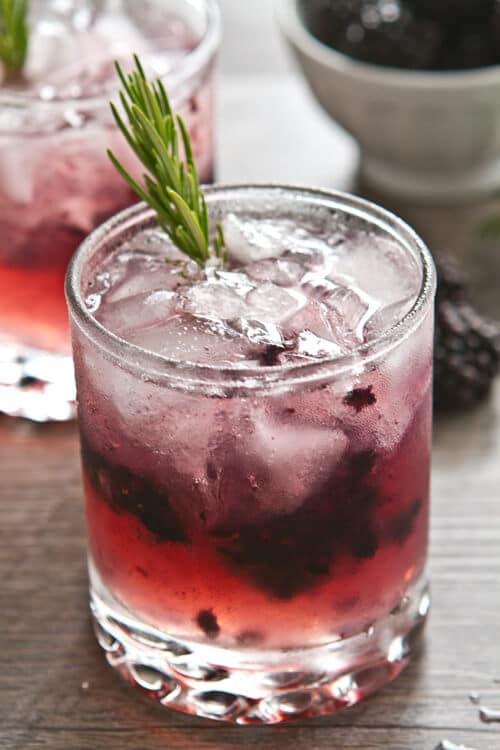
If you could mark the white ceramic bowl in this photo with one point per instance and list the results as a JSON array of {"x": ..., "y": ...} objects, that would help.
[{"x": 423, "y": 135}]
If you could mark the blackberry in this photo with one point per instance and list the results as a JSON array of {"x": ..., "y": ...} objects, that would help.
[
  {"x": 271, "y": 355},
  {"x": 452, "y": 279},
  {"x": 409, "y": 34},
  {"x": 360, "y": 398},
  {"x": 127, "y": 492},
  {"x": 402, "y": 526},
  {"x": 28, "y": 381},
  {"x": 207, "y": 622},
  {"x": 374, "y": 31},
  {"x": 293, "y": 553},
  {"x": 466, "y": 352},
  {"x": 454, "y": 12}
]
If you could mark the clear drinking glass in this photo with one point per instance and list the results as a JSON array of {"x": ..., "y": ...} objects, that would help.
[
  {"x": 56, "y": 181},
  {"x": 257, "y": 534}
]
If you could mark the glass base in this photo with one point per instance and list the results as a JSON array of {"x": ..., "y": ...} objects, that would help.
[
  {"x": 36, "y": 385},
  {"x": 259, "y": 687}
]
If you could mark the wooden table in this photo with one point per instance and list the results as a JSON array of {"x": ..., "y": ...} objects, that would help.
[{"x": 56, "y": 690}]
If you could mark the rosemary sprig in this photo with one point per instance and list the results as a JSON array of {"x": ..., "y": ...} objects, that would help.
[
  {"x": 171, "y": 185},
  {"x": 13, "y": 34}
]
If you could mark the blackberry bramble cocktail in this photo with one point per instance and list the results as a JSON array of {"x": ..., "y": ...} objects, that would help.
[
  {"x": 256, "y": 444},
  {"x": 56, "y": 181}
]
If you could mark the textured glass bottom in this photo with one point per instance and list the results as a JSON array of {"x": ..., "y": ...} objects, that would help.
[
  {"x": 36, "y": 385},
  {"x": 259, "y": 687}
]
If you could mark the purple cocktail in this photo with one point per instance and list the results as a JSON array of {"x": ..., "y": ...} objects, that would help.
[
  {"x": 256, "y": 451},
  {"x": 56, "y": 182}
]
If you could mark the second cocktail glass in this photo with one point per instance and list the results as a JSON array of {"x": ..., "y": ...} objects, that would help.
[{"x": 56, "y": 182}]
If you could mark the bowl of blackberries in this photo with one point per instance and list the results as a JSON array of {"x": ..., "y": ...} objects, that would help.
[{"x": 416, "y": 82}]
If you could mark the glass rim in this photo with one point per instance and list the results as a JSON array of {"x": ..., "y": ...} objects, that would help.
[
  {"x": 217, "y": 379},
  {"x": 187, "y": 67}
]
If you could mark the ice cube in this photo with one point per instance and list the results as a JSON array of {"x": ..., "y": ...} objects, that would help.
[
  {"x": 403, "y": 380},
  {"x": 313, "y": 260},
  {"x": 188, "y": 338},
  {"x": 144, "y": 273},
  {"x": 280, "y": 271},
  {"x": 253, "y": 240},
  {"x": 213, "y": 299},
  {"x": 349, "y": 312},
  {"x": 378, "y": 266},
  {"x": 80, "y": 188},
  {"x": 237, "y": 280},
  {"x": 133, "y": 314},
  {"x": 310, "y": 345},
  {"x": 64, "y": 15},
  {"x": 59, "y": 37},
  {"x": 311, "y": 320},
  {"x": 274, "y": 304},
  {"x": 258, "y": 332},
  {"x": 138, "y": 284},
  {"x": 297, "y": 458},
  {"x": 276, "y": 465},
  {"x": 248, "y": 241},
  {"x": 388, "y": 316}
]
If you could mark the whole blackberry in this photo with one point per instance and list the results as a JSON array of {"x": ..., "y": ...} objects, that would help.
[
  {"x": 452, "y": 281},
  {"x": 466, "y": 352}
]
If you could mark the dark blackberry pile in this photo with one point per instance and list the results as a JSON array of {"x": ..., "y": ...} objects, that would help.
[
  {"x": 290, "y": 554},
  {"x": 283, "y": 556},
  {"x": 127, "y": 492},
  {"x": 467, "y": 351},
  {"x": 409, "y": 34}
]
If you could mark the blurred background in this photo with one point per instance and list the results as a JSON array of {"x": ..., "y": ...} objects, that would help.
[{"x": 270, "y": 127}]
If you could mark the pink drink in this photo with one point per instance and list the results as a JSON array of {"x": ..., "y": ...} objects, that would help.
[
  {"x": 257, "y": 480},
  {"x": 56, "y": 182}
]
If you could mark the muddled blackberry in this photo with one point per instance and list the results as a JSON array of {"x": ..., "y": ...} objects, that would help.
[
  {"x": 360, "y": 398},
  {"x": 466, "y": 353},
  {"x": 293, "y": 553},
  {"x": 127, "y": 492},
  {"x": 28, "y": 381},
  {"x": 409, "y": 34},
  {"x": 207, "y": 622},
  {"x": 402, "y": 526},
  {"x": 271, "y": 355}
]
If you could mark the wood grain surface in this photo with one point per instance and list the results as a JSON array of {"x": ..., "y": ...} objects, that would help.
[{"x": 56, "y": 690}]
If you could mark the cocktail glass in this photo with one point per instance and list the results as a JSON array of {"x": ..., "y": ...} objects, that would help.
[
  {"x": 257, "y": 531},
  {"x": 57, "y": 183}
]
